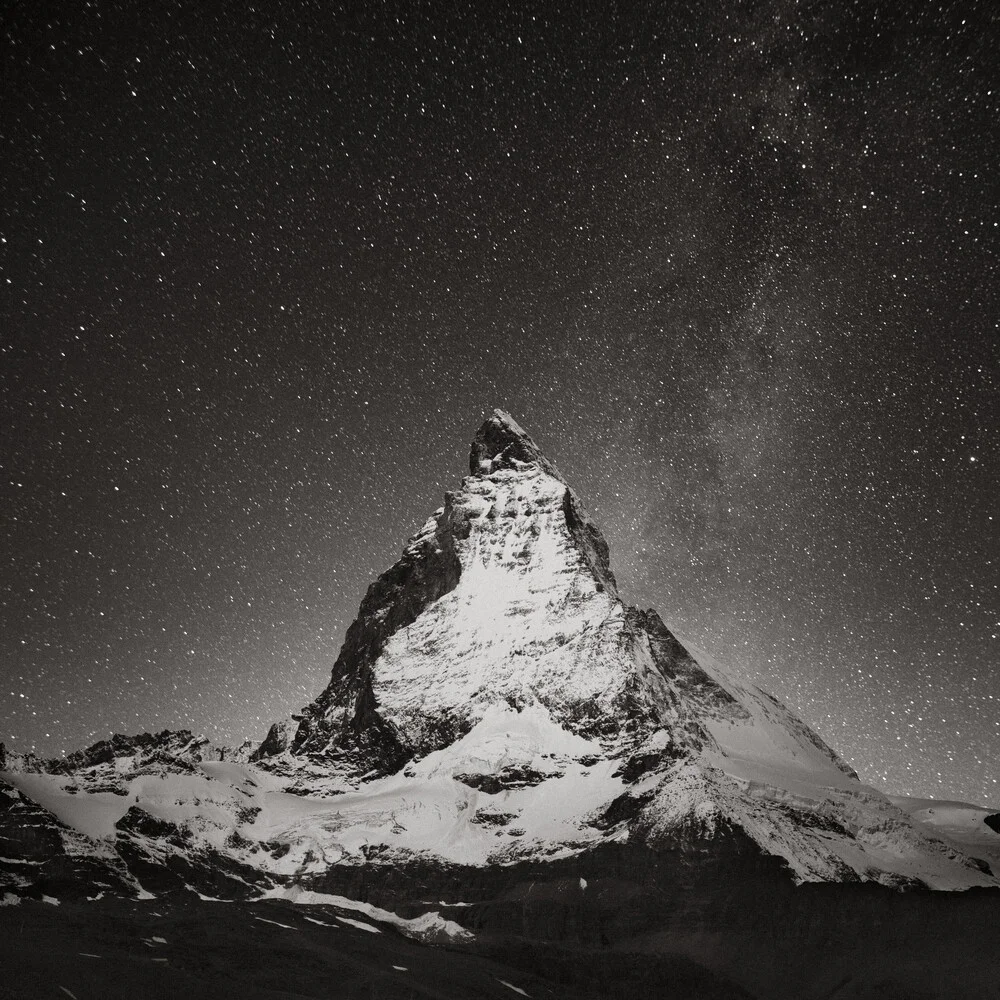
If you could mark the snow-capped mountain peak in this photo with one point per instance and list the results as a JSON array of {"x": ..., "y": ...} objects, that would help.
[
  {"x": 505, "y": 597},
  {"x": 503, "y": 613},
  {"x": 495, "y": 703}
]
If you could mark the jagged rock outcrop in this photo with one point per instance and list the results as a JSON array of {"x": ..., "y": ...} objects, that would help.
[
  {"x": 28, "y": 833},
  {"x": 128, "y": 755}
]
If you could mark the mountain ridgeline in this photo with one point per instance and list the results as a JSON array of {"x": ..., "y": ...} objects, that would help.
[{"x": 503, "y": 734}]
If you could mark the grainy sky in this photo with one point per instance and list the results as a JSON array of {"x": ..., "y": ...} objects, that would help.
[{"x": 734, "y": 266}]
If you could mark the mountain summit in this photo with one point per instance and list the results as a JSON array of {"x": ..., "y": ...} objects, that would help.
[
  {"x": 501, "y": 443},
  {"x": 504, "y": 602},
  {"x": 497, "y": 717}
]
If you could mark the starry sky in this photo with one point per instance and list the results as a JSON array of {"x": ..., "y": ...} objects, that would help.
[{"x": 266, "y": 269}]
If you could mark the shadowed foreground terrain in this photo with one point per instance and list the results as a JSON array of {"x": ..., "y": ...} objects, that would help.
[
  {"x": 812, "y": 942},
  {"x": 203, "y": 950}
]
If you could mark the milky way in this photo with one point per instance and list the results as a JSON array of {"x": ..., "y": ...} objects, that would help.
[{"x": 733, "y": 267}]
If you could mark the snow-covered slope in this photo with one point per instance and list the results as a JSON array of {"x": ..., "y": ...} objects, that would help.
[
  {"x": 495, "y": 702},
  {"x": 974, "y": 830}
]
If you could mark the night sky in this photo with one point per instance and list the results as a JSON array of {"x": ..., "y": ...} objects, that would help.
[{"x": 734, "y": 266}]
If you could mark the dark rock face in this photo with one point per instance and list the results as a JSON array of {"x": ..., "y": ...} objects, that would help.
[
  {"x": 621, "y": 809},
  {"x": 645, "y": 763},
  {"x": 208, "y": 873},
  {"x": 137, "y": 820},
  {"x": 589, "y": 541},
  {"x": 27, "y": 831},
  {"x": 500, "y": 443},
  {"x": 36, "y": 862},
  {"x": 503, "y": 780},
  {"x": 344, "y": 721},
  {"x": 279, "y": 738},
  {"x": 675, "y": 662}
]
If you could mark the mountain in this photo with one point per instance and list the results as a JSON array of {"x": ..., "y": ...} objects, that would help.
[
  {"x": 496, "y": 671},
  {"x": 508, "y": 755}
]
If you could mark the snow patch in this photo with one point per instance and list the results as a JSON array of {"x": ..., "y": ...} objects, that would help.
[
  {"x": 360, "y": 924},
  {"x": 511, "y": 986},
  {"x": 430, "y": 928},
  {"x": 264, "y": 920}
]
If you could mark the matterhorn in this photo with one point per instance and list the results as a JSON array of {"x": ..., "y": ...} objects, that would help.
[{"x": 509, "y": 759}]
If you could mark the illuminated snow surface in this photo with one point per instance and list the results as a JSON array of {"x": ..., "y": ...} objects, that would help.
[{"x": 425, "y": 811}]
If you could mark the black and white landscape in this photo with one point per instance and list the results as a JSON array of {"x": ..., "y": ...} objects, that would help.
[
  {"x": 693, "y": 692},
  {"x": 511, "y": 764}
]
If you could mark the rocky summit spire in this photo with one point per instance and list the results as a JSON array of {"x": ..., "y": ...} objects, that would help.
[{"x": 501, "y": 443}]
